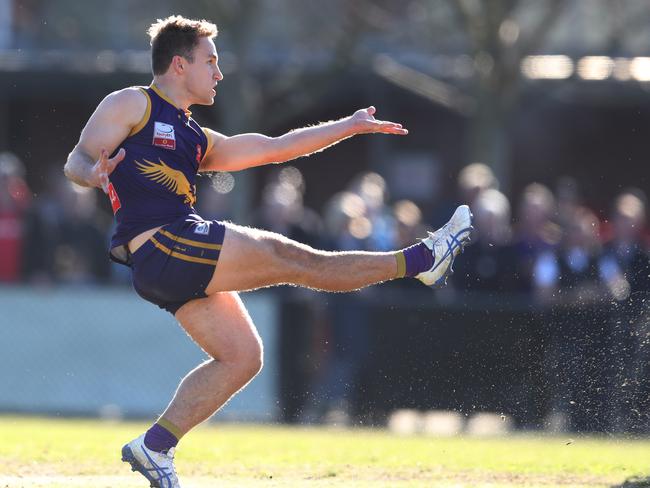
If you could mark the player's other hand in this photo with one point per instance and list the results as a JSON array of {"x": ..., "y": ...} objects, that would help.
[
  {"x": 104, "y": 167},
  {"x": 364, "y": 122}
]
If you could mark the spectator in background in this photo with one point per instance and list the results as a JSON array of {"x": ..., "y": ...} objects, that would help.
[
  {"x": 283, "y": 211},
  {"x": 408, "y": 220},
  {"x": 625, "y": 269},
  {"x": 488, "y": 265},
  {"x": 576, "y": 351},
  {"x": 624, "y": 265},
  {"x": 43, "y": 224},
  {"x": 372, "y": 189},
  {"x": 471, "y": 181},
  {"x": 535, "y": 242},
  {"x": 578, "y": 255},
  {"x": 15, "y": 200},
  {"x": 347, "y": 226},
  {"x": 568, "y": 201},
  {"x": 81, "y": 254},
  {"x": 474, "y": 179},
  {"x": 302, "y": 311},
  {"x": 68, "y": 218}
]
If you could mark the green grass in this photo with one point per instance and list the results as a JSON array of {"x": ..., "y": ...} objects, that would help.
[{"x": 37, "y": 452}]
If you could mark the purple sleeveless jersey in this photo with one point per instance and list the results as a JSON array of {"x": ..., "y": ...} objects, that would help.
[{"x": 155, "y": 183}]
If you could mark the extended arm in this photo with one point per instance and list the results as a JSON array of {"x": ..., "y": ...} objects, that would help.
[
  {"x": 88, "y": 164},
  {"x": 248, "y": 150}
]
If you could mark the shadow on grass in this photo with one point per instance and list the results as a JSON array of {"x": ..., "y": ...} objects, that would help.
[{"x": 634, "y": 483}]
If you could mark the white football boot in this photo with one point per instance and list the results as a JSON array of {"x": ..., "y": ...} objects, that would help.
[
  {"x": 157, "y": 467},
  {"x": 445, "y": 244}
]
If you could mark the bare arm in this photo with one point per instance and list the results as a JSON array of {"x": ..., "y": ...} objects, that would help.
[
  {"x": 248, "y": 150},
  {"x": 88, "y": 163}
]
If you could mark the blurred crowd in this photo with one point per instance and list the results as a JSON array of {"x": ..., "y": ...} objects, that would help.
[
  {"x": 57, "y": 237},
  {"x": 546, "y": 248}
]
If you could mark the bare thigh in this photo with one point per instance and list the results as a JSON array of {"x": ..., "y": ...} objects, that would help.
[
  {"x": 222, "y": 327},
  {"x": 254, "y": 258}
]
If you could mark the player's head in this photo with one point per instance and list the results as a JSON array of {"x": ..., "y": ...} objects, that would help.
[{"x": 183, "y": 50}]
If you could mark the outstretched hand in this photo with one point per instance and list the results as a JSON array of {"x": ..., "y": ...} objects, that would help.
[
  {"x": 364, "y": 122},
  {"x": 105, "y": 166}
]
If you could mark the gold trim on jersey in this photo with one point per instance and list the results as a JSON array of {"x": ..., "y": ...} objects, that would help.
[
  {"x": 145, "y": 117},
  {"x": 190, "y": 242},
  {"x": 172, "y": 179},
  {"x": 159, "y": 92},
  {"x": 210, "y": 141},
  {"x": 178, "y": 255}
]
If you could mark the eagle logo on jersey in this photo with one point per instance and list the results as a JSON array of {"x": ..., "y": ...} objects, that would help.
[{"x": 172, "y": 179}]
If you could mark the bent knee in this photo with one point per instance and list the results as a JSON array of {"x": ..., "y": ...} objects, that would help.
[
  {"x": 247, "y": 361},
  {"x": 253, "y": 362}
]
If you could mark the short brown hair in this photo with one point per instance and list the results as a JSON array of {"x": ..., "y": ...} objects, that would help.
[{"x": 176, "y": 36}]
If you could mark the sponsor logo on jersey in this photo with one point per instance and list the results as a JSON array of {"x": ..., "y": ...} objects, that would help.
[
  {"x": 163, "y": 135},
  {"x": 115, "y": 200},
  {"x": 202, "y": 228}
]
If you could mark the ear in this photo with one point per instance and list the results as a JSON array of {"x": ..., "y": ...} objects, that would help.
[{"x": 178, "y": 64}]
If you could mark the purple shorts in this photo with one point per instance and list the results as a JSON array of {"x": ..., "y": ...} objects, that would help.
[{"x": 176, "y": 264}]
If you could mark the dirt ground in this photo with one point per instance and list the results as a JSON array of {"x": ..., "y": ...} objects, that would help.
[{"x": 459, "y": 481}]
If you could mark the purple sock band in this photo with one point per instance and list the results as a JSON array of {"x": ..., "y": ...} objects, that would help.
[
  {"x": 159, "y": 439},
  {"x": 418, "y": 258}
]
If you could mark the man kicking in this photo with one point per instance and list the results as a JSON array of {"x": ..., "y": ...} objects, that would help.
[{"x": 142, "y": 147}]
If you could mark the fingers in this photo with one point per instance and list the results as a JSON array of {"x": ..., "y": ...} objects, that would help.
[
  {"x": 105, "y": 166},
  {"x": 117, "y": 158},
  {"x": 110, "y": 164},
  {"x": 395, "y": 130},
  {"x": 367, "y": 123},
  {"x": 120, "y": 155},
  {"x": 391, "y": 128}
]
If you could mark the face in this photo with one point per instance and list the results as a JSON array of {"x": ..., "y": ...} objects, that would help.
[{"x": 202, "y": 75}]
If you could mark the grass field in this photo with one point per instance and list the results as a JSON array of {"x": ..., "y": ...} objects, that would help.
[{"x": 37, "y": 452}]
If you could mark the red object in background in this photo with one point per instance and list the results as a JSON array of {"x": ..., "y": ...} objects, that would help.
[
  {"x": 13, "y": 205},
  {"x": 11, "y": 238}
]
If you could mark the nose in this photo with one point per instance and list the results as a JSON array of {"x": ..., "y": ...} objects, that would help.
[{"x": 218, "y": 74}]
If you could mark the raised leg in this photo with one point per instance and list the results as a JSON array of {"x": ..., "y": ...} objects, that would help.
[{"x": 252, "y": 258}]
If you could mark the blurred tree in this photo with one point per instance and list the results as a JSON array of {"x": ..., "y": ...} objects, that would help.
[
  {"x": 500, "y": 34},
  {"x": 489, "y": 40},
  {"x": 308, "y": 43},
  {"x": 269, "y": 49},
  {"x": 279, "y": 57},
  {"x": 494, "y": 37}
]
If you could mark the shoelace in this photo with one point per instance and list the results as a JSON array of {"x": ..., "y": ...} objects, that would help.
[
  {"x": 165, "y": 474},
  {"x": 437, "y": 235}
]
